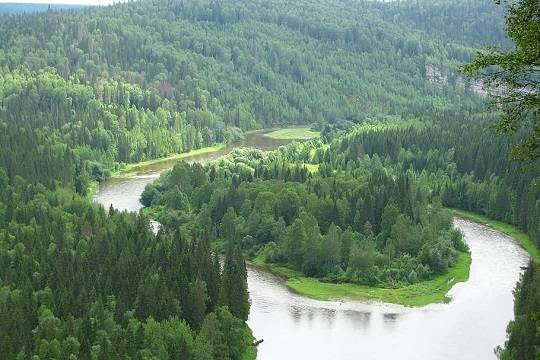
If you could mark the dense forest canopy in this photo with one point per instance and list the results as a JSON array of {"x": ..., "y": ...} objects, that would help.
[
  {"x": 378, "y": 190},
  {"x": 82, "y": 92},
  {"x": 150, "y": 78}
]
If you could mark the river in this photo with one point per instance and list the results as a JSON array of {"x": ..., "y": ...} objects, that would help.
[{"x": 294, "y": 327}]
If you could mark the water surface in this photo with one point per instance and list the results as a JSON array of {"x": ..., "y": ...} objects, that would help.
[
  {"x": 469, "y": 327},
  {"x": 294, "y": 327},
  {"x": 124, "y": 192}
]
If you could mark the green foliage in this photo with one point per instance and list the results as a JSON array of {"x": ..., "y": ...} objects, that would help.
[
  {"x": 83, "y": 283},
  {"x": 514, "y": 75},
  {"x": 226, "y": 334},
  {"x": 393, "y": 235},
  {"x": 524, "y": 331}
]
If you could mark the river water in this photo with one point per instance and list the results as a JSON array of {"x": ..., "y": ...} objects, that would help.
[{"x": 294, "y": 327}]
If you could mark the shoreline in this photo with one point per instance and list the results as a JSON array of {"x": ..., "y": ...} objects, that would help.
[
  {"x": 133, "y": 167},
  {"x": 512, "y": 231},
  {"x": 130, "y": 168},
  {"x": 434, "y": 290},
  {"x": 431, "y": 291}
]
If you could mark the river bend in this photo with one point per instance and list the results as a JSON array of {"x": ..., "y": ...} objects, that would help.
[{"x": 294, "y": 327}]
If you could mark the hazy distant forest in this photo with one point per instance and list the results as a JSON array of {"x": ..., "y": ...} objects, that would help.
[{"x": 404, "y": 135}]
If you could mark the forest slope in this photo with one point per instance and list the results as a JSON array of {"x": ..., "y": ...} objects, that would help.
[{"x": 148, "y": 79}]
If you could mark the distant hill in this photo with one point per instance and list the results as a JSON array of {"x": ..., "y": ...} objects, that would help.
[
  {"x": 18, "y": 8},
  {"x": 146, "y": 79}
]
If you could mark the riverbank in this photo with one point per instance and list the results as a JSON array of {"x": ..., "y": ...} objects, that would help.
[
  {"x": 128, "y": 169},
  {"x": 133, "y": 167},
  {"x": 426, "y": 292},
  {"x": 420, "y": 294},
  {"x": 523, "y": 239}
]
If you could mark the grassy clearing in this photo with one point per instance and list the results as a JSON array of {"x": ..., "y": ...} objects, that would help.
[
  {"x": 129, "y": 168},
  {"x": 523, "y": 239},
  {"x": 300, "y": 133},
  {"x": 423, "y": 293}
]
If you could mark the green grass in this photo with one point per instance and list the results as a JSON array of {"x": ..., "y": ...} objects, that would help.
[
  {"x": 523, "y": 239},
  {"x": 419, "y": 294},
  {"x": 130, "y": 168},
  {"x": 300, "y": 133},
  {"x": 423, "y": 293}
]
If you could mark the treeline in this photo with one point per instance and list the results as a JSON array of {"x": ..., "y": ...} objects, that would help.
[
  {"x": 363, "y": 225},
  {"x": 460, "y": 159},
  {"x": 77, "y": 282},
  {"x": 108, "y": 121}
]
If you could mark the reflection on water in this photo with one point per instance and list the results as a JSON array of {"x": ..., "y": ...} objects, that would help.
[
  {"x": 124, "y": 193},
  {"x": 294, "y": 327},
  {"x": 467, "y": 328},
  {"x": 359, "y": 320}
]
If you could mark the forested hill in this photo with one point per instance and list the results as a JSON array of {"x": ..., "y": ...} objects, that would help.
[
  {"x": 464, "y": 21},
  {"x": 145, "y": 79},
  {"x": 83, "y": 91}
]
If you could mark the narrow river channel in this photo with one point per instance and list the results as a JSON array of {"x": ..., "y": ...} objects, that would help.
[{"x": 294, "y": 327}]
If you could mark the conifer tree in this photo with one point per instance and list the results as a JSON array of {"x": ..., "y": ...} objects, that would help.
[{"x": 234, "y": 291}]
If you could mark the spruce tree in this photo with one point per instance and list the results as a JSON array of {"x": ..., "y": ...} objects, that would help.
[{"x": 234, "y": 290}]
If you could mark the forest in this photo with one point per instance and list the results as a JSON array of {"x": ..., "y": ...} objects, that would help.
[
  {"x": 80, "y": 282},
  {"x": 144, "y": 80},
  {"x": 367, "y": 206},
  {"x": 359, "y": 225},
  {"x": 403, "y": 137}
]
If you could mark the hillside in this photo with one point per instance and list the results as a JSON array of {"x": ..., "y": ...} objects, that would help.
[{"x": 150, "y": 78}]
